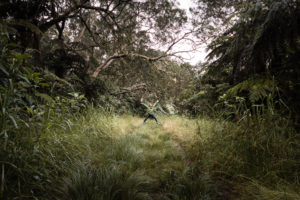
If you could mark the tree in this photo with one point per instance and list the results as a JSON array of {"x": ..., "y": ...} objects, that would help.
[
  {"x": 108, "y": 30},
  {"x": 257, "y": 39}
]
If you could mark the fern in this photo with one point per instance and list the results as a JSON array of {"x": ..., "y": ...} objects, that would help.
[
  {"x": 257, "y": 88},
  {"x": 259, "y": 41},
  {"x": 44, "y": 97},
  {"x": 49, "y": 76}
]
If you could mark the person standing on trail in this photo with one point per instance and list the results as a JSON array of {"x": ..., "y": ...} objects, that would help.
[{"x": 150, "y": 110}]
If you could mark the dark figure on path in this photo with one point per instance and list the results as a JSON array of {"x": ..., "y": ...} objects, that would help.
[{"x": 150, "y": 110}]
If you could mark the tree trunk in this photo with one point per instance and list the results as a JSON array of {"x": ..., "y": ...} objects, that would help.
[{"x": 37, "y": 47}]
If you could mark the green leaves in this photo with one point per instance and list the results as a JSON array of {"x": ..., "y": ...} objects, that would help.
[{"x": 14, "y": 121}]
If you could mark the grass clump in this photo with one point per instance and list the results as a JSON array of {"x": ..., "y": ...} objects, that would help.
[
  {"x": 254, "y": 190},
  {"x": 105, "y": 183},
  {"x": 189, "y": 184}
]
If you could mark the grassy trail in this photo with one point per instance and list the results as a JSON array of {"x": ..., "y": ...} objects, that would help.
[
  {"x": 160, "y": 147},
  {"x": 139, "y": 161},
  {"x": 181, "y": 159},
  {"x": 104, "y": 156},
  {"x": 159, "y": 151}
]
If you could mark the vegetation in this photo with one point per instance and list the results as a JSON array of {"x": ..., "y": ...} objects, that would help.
[{"x": 72, "y": 73}]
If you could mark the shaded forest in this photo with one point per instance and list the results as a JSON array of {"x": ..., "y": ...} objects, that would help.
[{"x": 74, "y": 74}]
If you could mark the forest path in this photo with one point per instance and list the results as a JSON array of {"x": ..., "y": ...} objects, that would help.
[
  {"x": 174, "y": 133},
  {"x": 140, "y": 160},
  {"x": 157, "y": 150}
]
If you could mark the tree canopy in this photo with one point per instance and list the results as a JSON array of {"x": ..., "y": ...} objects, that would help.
[{"x": 100, "y": 30}]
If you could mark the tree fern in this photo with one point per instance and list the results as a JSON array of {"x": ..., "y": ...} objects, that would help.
[
  {"x": 265, "y": 34},
  {"x": 257, "y": 88}
]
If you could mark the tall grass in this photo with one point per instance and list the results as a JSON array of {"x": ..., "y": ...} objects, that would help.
[
  {"x": 36, "y": 157},
  {"x": 189, "y": 184},
  {"x": 99, "y": 155},
  {"x": 259, "y": 157}
]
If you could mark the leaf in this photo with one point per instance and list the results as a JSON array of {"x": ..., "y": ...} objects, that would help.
[
  {"x": 28, "y": 70},
  {"x": 36, "y": 77},
  {"x": 45, "y": 97},
  {"x": 49, "y": 76},
  {"x": 25, "y": 123},
  {"x": 4, "y": 133},
  {"x": 12, "y": 45},
  {"x": 44, "y": 84},
  {"x": 4, "y": 71},
  {"x": 74, "y": 94},
  {"x": 21, "y": 57},
  {"x": 14, "y": 121},
  {"x": 36, "y": 177},
  {"x": 25, "y": 79}
]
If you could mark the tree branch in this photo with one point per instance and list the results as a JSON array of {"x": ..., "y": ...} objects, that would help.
[
  {"x": 138, "y": 86},
  {"x": 45, "y": 26},
  {"x": 90, "y": 20},
  {"x": 107, "y": 63},
  {"x": 118, "y": 55},
  {"x": 66, "y": 14}
]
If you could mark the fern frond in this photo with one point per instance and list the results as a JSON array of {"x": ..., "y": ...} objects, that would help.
[
  {"x": 45, "y": 97},
  {"x": 257, "y": 88},
  {"x": 49, "y": 76}
]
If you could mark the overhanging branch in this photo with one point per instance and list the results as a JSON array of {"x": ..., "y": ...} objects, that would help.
[
  {"x": 118, "y": 55},
  {"x": 138, "y": 86}
]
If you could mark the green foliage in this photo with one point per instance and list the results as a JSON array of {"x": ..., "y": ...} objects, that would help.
[
  {"x": 63, "y": 62},
  {"x": 254, "y": 190},
  {"x": 264, "y": 34},
  {"x": 54, "y": 145},
  {"x": 203, "y": 100},
  {"x": 258, "y": 96},
  {"x": 99, "y": 156}
]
